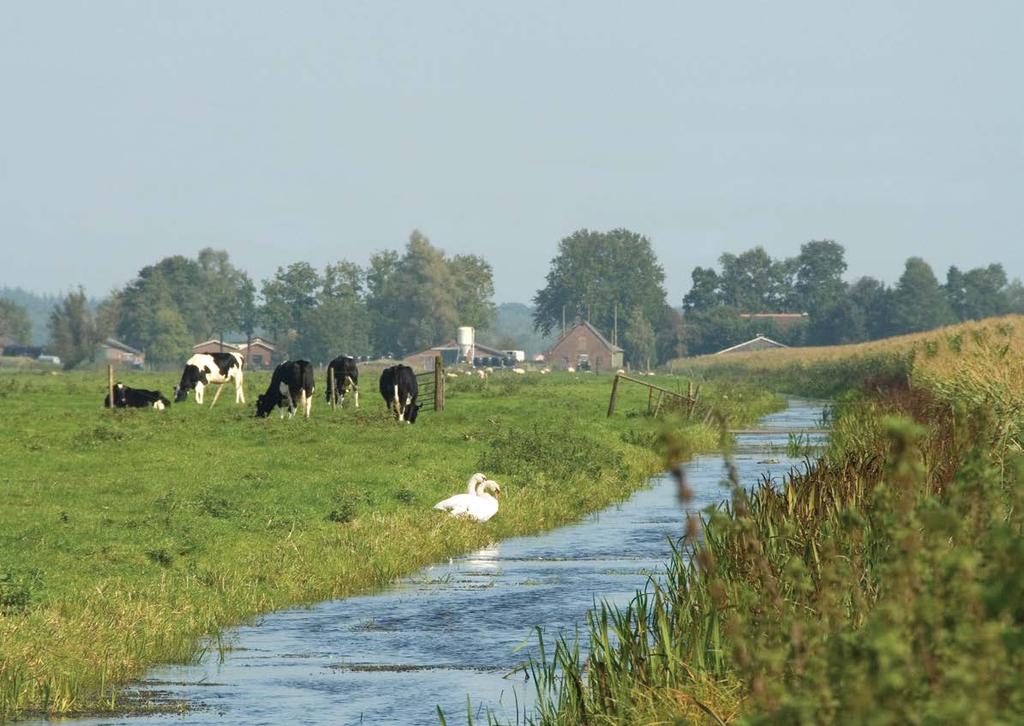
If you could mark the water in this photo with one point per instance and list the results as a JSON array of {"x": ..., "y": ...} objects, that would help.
[{"x": 454, "y": 629}]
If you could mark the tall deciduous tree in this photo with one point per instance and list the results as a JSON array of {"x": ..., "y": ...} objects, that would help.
[
  {"x": 598, "y": 275},
  {"x": 14, "y": 322},
  {"x": 640, "y": 340},
  {"x": 73, "y": 332},
  {"x": 977, "y": 293},
  {"x": 918, "y": 302},
  {"x": 289, "y": 298}
]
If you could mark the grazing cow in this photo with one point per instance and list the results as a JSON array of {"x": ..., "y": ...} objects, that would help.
[
  {"x": 399, "y": 388},
  {"x": 204, "y": 369},
  {"x": 125, "y": 397},
  {"x": 345, "y": 379},
  {"x": 291, "y": 383}
]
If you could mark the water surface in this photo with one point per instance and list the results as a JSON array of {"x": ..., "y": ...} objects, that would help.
[{"x": 456, "y": 629}]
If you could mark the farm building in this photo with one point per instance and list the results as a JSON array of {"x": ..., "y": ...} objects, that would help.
[
  {"x": 781, "y": 321},
  {"x": 583, "y": 346},
  {"x": 215, "y": 346},
  {"x": 116, "y": 352},
  {"x": 449, "y": 352},
  {"x": 258, "y": 352},
  {"x": 757, "y": 343}
]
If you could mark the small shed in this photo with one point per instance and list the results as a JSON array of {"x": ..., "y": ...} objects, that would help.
[
  {"x": 115, "y": 352},
  {"x": 759, "y": 342},
  {"x": 584, "y": 347}
]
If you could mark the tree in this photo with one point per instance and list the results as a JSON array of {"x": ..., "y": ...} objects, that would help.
[
  {"x": 474, "y": 291},
  {"x": 596, "y": 274},
  {"x": 419, "y": 298},
  {"x": 14, "y": 322},
  {"x": 704, "y": 292},
  {"x": 977, "y": 293},
  {"x": 640, "y": 340},
  {"x": 752, "y": 282},
  {"x": 819, "y": 282},
  {"x": 73, "y": 332},
  {"x": 873, "y": 300},
  {"x": 169, "y": 341},
  {"x": 289, "y": 297},
  {"x": 919, "y": 303}
]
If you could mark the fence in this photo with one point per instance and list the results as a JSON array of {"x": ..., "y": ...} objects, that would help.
[{"x": 687, "y": 400}]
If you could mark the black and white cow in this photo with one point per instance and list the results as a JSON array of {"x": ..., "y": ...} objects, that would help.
[
  {"x": 291, "y": 386},
  {"x": 125, "y": 397},
  {"x": 345, "y": 379},
  {"x": 399, "y": 388},
  {"x": 204, "y": 369}
]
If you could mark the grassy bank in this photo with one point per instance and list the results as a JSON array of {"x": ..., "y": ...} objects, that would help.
[
  {"x": 883, "y": 585},
  {"x": 128, "y": 536}
]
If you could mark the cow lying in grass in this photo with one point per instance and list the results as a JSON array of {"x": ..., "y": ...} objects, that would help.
[
  {"x": 291, "y": 386},
  {"x": 125, "y": 397}
]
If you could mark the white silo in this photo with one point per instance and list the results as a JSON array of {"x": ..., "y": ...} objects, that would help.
[{"x": 466, "y": 339}]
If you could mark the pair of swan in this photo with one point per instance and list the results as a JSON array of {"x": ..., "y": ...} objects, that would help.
[{"x": 477, "y": 503}]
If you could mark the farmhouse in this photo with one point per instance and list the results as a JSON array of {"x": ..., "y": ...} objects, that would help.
[
  {"x": 584, "y": 347},
  {"x": 215, "y": 346},
  {"x": 757, "y": 343},
  {"x": 115, "y": 352}
]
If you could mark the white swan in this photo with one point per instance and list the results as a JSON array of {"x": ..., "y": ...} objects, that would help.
[{"x": 477, "y": 503}]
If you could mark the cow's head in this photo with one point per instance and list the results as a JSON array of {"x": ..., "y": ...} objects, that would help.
[
  {"x": 192, "y": 377},
  {"x": 264, "y": 405},
  {"x": 411, "y": 411}
]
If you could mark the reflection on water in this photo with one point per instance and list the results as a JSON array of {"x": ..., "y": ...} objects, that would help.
[{"x": 454, "y": 629}]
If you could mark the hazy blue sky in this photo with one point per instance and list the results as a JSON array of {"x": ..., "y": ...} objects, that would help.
[{"x": 318, "y": 131}]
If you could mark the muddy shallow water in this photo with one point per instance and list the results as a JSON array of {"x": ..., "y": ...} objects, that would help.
[{"x": 456, "y": 630}]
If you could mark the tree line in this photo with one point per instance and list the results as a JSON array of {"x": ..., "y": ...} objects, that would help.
[
  {"x": 837, "y": 311},
  {"x": 410, "y": 299},
  {"x": 400, "y": 302}
]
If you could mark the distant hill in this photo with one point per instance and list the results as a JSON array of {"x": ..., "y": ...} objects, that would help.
[
  {"x": 38, "y": 306},
  {"x": 513, "y": 326}
]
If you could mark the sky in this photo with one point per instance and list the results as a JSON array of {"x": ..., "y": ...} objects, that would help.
[{"x": 319, "y": 131}]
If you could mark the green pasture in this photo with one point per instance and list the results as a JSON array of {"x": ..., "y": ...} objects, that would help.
[{"x": 127, "y": 536}]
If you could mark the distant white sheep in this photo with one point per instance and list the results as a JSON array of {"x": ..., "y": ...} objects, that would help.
[
  {"x": 518, "y": 371},
  {"x": 570, "y": 369}
]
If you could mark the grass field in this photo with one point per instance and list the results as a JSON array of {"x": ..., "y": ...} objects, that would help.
[
  {"x": 883, "y": 585},
  {"x": 128, "y": 536}
]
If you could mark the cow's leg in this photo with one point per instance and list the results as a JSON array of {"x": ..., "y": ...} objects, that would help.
[
  {"x": 217, "y": 395},
  {"x": 408, "y": 400},
  {"x": 199, "y": 393},
  {"x": 355, "y": 392},
  {"x": 239, "y": 389},
  {"x": 398, "y": 404},
  {"x": 307, "y": 403},
  {"x": 291, "y": 403}
]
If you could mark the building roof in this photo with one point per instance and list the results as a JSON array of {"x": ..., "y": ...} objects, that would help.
[
  {"x": 114, "y": 343},
  {"x": 216, "y": 341},
  {"x": 767, "y": 342},
  {"x": 597, "y": 334},
  {"x": 774, "y": 316},
  {"x": 255, "y": 341}
]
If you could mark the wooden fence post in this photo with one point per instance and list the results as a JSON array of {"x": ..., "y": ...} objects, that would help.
[
  {"x": 110, "y": 385},
  {"x": 332, "y": 388},
  {"x": 438, "y": 383},
  {"x": 690, "y": 402},
  {"x": 614, "y": 397}
]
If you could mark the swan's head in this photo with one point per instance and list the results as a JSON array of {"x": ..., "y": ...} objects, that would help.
[
  {"x": 475, "y": 481},
  {"x": 489, "y": 485}
]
